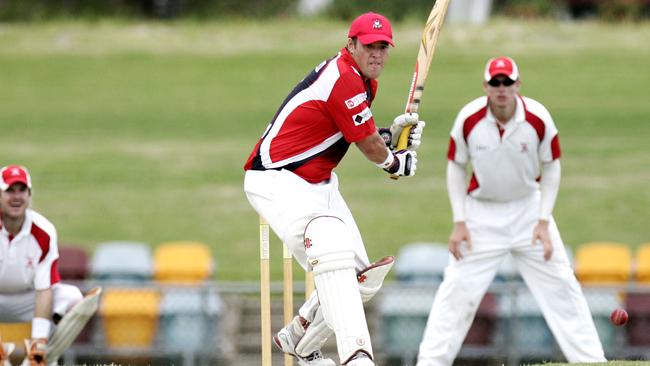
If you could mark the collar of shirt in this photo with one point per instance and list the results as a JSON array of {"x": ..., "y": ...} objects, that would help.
[{"x": 518, "y": 117}]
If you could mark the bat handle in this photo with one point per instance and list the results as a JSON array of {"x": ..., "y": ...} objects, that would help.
[{"x": 402, "y": 143}]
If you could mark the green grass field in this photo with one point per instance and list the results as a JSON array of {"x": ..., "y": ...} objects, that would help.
[
  {"x": 610, "y": 363},
  {"x": 138, "y": 131}
]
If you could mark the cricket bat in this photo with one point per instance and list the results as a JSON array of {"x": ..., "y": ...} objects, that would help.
[{"x": 425, "y": 55}]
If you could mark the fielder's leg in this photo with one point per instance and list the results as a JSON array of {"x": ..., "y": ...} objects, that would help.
[
  {"x": 455, "y": 304},
  {"x": 329, "y": 247},
  {"x": 558, "y": 293}
]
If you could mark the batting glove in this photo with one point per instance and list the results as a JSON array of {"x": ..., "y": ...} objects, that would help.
[
  {"x": 405, "y": 163},
  {"x": 407, "y": 120}
]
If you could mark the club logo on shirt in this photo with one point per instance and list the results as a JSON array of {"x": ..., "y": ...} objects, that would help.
[
  {"x": 361, "y": 117},
  {"x": 356, "y": 100},
  {"x": 30, "y": 263},
  {"x": 307, "y": 243},
  {"x": 524, "y": 147}
]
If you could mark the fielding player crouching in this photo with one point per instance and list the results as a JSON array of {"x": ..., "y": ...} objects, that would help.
[{"x": 30, "y": 288}]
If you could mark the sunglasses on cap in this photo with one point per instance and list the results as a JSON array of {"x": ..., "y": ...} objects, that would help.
[{"x": 496, "y": 82}]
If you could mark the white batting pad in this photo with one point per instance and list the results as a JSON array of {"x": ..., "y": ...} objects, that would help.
[
  {"x": 72, "y": 323},
  {"x": 342, "y": 309}
]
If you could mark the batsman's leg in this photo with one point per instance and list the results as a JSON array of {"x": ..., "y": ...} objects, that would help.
[{"x": 329, "y": 250}]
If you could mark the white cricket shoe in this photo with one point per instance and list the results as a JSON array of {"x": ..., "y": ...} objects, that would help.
[
  {"x": 360, "y": 359},
  {"x": 288, "y": 337}
]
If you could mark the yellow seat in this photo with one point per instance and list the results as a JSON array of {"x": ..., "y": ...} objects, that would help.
[
  {"x": 15, "y": 332},
  {"x": 643, "y": 263},
  {"x": 603, "y": 262},
  {"x": 183, "y": 262},
  {"x": 130, "y": 316}
]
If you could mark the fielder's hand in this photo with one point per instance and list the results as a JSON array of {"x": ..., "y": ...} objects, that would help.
[
  {"x": 458, "y": 236},
  {"x": 36, "y": 351},
  {"x": 541, "y": 234},
  {"x": 391, "y": 135},
  {"x": 405, "y": 163}
]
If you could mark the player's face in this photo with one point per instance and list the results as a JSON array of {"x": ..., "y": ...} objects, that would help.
[
  {"x": 15, "y": 200},
  {"x": 501, "y": 90},
  {"x": 371, "y": 57}
]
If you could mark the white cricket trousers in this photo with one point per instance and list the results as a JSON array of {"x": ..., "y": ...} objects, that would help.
[
  {"x": 19, "y": 307},
  {"x": 288, "y": 203},
  {"x": 496, "y": 229}
]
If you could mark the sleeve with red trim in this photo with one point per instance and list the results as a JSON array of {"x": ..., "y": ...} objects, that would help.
[
  {"x": 47, "y": 272},
  {"x": 349, "y": 106},
  {"x": 458, "y": 150},
  {"x": 549, "y": 147}
]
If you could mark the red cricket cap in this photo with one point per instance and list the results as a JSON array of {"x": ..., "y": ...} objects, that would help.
[
  {"x": 370, "y": 28},
  {"x": 14, "y": 174},
  {"x": 501, "y": 66}
]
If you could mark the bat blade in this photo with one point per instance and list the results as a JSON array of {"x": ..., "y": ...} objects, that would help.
[{"x": 428, "y": 43}]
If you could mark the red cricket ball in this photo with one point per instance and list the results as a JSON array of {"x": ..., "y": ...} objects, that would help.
[{"x": 618, "y": 317}]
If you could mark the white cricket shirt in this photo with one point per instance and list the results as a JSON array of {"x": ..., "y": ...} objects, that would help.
[
  {"x": 28, "y": 261},
  {"x": 505, "y": 161}
]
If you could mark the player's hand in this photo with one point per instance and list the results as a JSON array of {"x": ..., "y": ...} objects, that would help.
[
  {"x": 36, "y": 351},
  {"x": 458, "y": 236},
  {"x": 401, "y": 121},
  {"x": 405, "y": 163},
  {"x": 541, "y": 234}
]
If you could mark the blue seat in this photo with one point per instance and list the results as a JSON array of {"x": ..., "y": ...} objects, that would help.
[
  {"x": 189, "y": 318},
  {"x": 601, "y": 302},
  {"x": 404, "y": 311},
  {"x": 421, "y": 262},
  {"x": 522, "y": 324},
  {"x": 122, "y": 261}
]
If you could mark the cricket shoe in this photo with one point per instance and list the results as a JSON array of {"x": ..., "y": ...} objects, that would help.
[
  {"x": 360, "y": 359},
  {"x": 288, "y": 337}
]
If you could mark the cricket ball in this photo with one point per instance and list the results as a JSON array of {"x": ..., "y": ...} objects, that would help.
[{"x": 618, "y": 317}]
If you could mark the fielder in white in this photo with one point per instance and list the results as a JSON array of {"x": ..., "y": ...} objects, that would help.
[
  {"x": 30, "y": 288},
  {"x": 512, "y": 145}
]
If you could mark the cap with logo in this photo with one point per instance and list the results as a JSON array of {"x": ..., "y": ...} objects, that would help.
[
  {"x": 501, "y": 66},
  {"x": 12, "y": 174},
  {"x": 370, "y": 28}
]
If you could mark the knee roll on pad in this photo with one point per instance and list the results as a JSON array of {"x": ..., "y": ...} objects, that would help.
[{"x": 328, "y": 244}]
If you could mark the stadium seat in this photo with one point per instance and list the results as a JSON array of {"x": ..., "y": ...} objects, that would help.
[
  {"x": 15, "y": 332},
  {"x": 73, "y": 263},
  {"x": 421, "y": 262},
  {"x": 189, "y": 319},
  {"x": 601, "y": 301},
  {"x": 183, "y": 262},
  {"x": 130, "y": 316},
  {"x": 404, "y": 311},
  {"x": 638, "y": 326},
  {"x": 643, "y": 263},
  {"x": 122, "y": 261},
  {"x": 603, "y": 262},
  {"x": 522, "y": 324}
]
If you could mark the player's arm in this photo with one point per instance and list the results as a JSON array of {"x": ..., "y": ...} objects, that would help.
[
  {"x": 400, "y": 163},
  {"x": 456, "y": 177},
  {"x": 549, "y": 187}
]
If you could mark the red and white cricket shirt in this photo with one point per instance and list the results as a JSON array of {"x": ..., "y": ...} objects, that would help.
[
  {"x": 505, "y": 159},
  {"x": 326, "y": 112},
  {"x": 28, "y": 261}
]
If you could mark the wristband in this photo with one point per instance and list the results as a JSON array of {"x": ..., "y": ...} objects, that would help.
[
  {"x": 388, "y": 162},
  {"x": 41, "y": 328}
]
